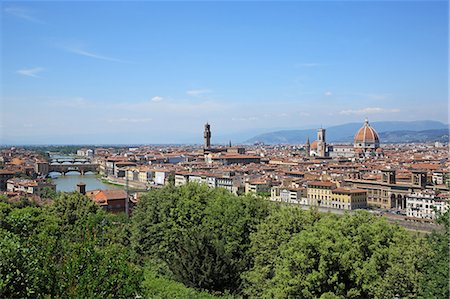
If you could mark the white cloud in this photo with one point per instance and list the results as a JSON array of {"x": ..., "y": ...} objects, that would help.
[
  {"x": 198, "y": 92},
  {"x": 157, "y": 99},
  {"x": 76, "y": 49},
  {"x": 33, "y": 72},
  {"x": 22, "y": 13},
  {"x": 368, "y": 110},
  {"x": 328, "y": 93},
  {"x": 129, "y": 120}
]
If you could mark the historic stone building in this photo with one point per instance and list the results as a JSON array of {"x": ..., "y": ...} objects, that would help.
[
  {"x": 207, "y": 136},
  {"x": 388, "y": 193},
  {"x": 367, "y": 142},
  {"x": 319, "y": 147}
]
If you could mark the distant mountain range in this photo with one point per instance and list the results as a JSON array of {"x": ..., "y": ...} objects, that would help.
[
  {"x": 440, "y": 135},
  {"x": 388, "y": 131}
]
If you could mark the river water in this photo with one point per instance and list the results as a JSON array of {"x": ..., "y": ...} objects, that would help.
[{"x": 68, "y": 182}]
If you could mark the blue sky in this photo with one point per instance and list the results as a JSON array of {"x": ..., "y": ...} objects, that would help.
[{"x": 155, "y": 72}]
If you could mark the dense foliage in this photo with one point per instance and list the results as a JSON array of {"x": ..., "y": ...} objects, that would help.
[
  {"x": 437, "y": 278},
  {"x": 196, "y": 242},
  {"x": 66, "y": 249},
  {"x": 354, "y": 256},
  {"x": 201, "y": 234}
]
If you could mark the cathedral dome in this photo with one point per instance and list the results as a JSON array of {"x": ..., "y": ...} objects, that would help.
[{"x": 366, "y": 137}]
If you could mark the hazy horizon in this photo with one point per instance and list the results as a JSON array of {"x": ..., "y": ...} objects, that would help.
[{"x": 218, "y": 138}]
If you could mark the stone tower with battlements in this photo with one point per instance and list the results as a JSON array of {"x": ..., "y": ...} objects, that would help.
[{"x": 207, "y": 136}]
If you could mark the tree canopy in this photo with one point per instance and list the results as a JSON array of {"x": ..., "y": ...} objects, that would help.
[
  {"x": 201, "y": 234},
  {"x": 57, "y": 251},
  {"x": 195, "y": 242}
]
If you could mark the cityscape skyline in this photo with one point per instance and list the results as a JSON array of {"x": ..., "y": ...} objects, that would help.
[
  {"x": 156, "y": 72},
  {"x": 224, "y": 149}
]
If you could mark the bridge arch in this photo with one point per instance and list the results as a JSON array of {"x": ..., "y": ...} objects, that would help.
[{"x": 65, "y": 168}]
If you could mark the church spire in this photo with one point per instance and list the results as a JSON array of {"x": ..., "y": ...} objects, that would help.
[{"x": 307, "y": 148}]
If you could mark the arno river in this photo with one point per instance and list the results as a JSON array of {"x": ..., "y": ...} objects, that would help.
[{"x": 68, "y": 183}]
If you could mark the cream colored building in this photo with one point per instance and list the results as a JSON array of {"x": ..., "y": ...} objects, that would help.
[
  {"x": 181, "y": 178},
  {"x": 348, "y": 199},
  {"x": 257, "y": 186},
  {"x": 326, "y": 194},
  {"x": 320, "y": 193},
  {"x": 145, "y": 176}
]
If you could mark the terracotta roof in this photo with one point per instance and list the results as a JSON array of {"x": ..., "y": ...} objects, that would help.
[
  {"x": 235, "y": 156},
  {"x": 366, "y": 134},
  {"x": 102, "y": 196},
  {"x": 322, "y": 184},
  {"x": 258, "y": 182},
  {"x": 114, "y": 194},
  {"x": 126, "y": 163},
  {"x": 348, "y": 191},
  {"x": 6, "y": 171},
  {"x": 425, "y": 166}
]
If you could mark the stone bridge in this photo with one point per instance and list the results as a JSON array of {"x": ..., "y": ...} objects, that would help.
[
  {"x": 65, "y": 168},
  {"x": 69, "y": 161}
]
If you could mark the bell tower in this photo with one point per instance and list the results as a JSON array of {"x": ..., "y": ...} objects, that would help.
[
  {"x": 207, "y": 136},
  {"x": 321, "y": 143}
]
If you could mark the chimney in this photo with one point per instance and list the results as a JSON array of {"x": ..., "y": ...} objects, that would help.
[{"x": 81, "y": 188}]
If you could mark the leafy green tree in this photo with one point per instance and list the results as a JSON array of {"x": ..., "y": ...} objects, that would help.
[
  {"x": 27, "y": 235},
  {"x": 74, "y": 210},
  {"x": 3, "y": 198},
  {"x": 171, "y": 179},
  {"x": 436, "y": 282},
  {"x": 200, "y": 261},
  {"x": 14, "y": 271},
  {"x": 5, "y": 209},
  {"x": 201, "y": 234},
  {"x": 353, "y": 256},
  {"x": 89, "y": 271},
  {"x": 263, "y": 194},
  {"x": 152, "y": 222},
  {"x": 69, "y": 249},
  {"x": 48, "y": 193},
  {"x": 281, "y": 225},
  {"x": 157, "y": 286}
]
